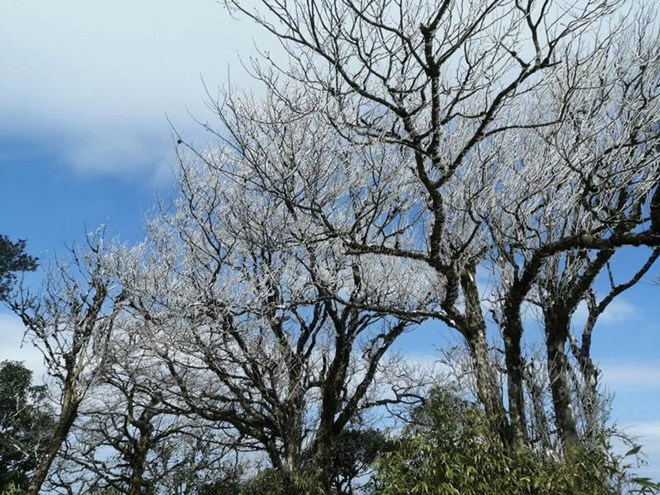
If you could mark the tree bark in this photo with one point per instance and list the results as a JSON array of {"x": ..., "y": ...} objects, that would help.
[
  {"x": 324, "y": 462},
  {"x": 487, "y": 389},
  {"x": 138, "y": 461},
  {"x": 62, "y": 428},
  {"x": 474, "y": 331},
  {"x": 515, "y": 386},
  {"x": 557, "y": 327},
  {"x": 589, "y": 372},
  {"x": 330, "y": 404}
]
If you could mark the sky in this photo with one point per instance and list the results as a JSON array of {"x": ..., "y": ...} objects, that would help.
[{"x": 88, "y": 94}]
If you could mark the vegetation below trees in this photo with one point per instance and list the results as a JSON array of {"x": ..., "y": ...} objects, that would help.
[{"x": 449, "y": 449}]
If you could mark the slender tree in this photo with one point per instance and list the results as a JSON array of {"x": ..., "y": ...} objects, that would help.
[
  {"x": 125, "y": 439},
  {"x": 70, "y": 322}
]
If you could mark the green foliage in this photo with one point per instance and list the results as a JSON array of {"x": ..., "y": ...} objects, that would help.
[
  {"x": 25, "y": 421},
  {"x": 11, "y": 489},
  {"x": 229, "y": 483},
  {"x": 451, "y": 450},
  {"x": 274, "y": 482},
  {"x": 13, "y": 259},
  {"x": 266, "y": 482},
  {"x": 355, "y": 452}
]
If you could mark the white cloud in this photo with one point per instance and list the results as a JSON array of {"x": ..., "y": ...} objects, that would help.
[
  {"x": 13, "y": 348},
  {"x": 116, "y": 151},
  {"x": 617, "y": 312},
  {"x": 100, "y": 77},
  {"x": 649, "y": 429},
  {"x": 647, "y": 434},
  {"x": 631, "y": 376}
]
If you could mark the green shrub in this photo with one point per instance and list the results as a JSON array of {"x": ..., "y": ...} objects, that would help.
[
  {"x": 449, "y": 449},
  {"x": 12, "y": 489}
]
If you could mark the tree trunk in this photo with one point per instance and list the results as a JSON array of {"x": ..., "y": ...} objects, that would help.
[
  {"x": 556, "y": 327},
  {"x": 540, "y": 427},
  {"x": 487, "y": 389},
  {"x": 474, "y": 331},
  {"x": 515, "y": 387},
  {"x": 137, "y": 485},
  {"x": 324, "y": 463},
  {"x": 292, "y": 465},
  {"x": 136, "y": 481},
  {"x": 64, "y": 423},
  {"x": 512, "y": 334},
  {"x": 589, "y": 395}
]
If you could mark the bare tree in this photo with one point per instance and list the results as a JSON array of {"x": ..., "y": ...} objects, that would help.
[
  {"x": 70, "y": 322},
  {"x": 466, "y": 101},
  {"x": 260, "y": 323},
  {"x": 127, "y": 440},
  {"x": 405, "y": 150},
  {"x": 565, "y": 226}
]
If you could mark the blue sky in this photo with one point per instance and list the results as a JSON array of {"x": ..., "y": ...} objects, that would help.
[{"x": 85, "y": 95}]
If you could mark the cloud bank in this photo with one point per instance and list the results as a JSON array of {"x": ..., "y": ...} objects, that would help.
[{"x": 99, "y": 78}]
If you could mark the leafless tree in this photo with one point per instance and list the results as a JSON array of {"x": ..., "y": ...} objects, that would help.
[
  {"x": 600, "y": 173},
  {"x": 405, "y": 150},
  {"x": 485, "y": 124},
  {"x": 260, "y": 322},
  {"x": 70, "y": 321},
  {"x": 127, "y": 440}
]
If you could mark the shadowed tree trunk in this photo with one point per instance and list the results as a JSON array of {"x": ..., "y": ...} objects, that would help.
[
  {"x": 557, "y": 327},
  {"x": 67, "y": 416}
]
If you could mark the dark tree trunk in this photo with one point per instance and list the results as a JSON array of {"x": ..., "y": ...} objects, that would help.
[
  {"x": 540, "y": 427},
  {"x": 62, "y": 428},
  {"x": 474, "y": 331},
  {"x": 515, "y": 386},
  {"x": 512, "y": 333},
  {"x": 557, "y": 328},
  {"x": 589, "y": 372},
  {"x": 324, "y": 463},
  {"x": 137, "y": 484},
  {"x": 488, "y": 391}
]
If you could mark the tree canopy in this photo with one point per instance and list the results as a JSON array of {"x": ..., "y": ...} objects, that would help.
[
  {"x": 25, "y": 423},
  {"x": 13, "y": 258}
]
